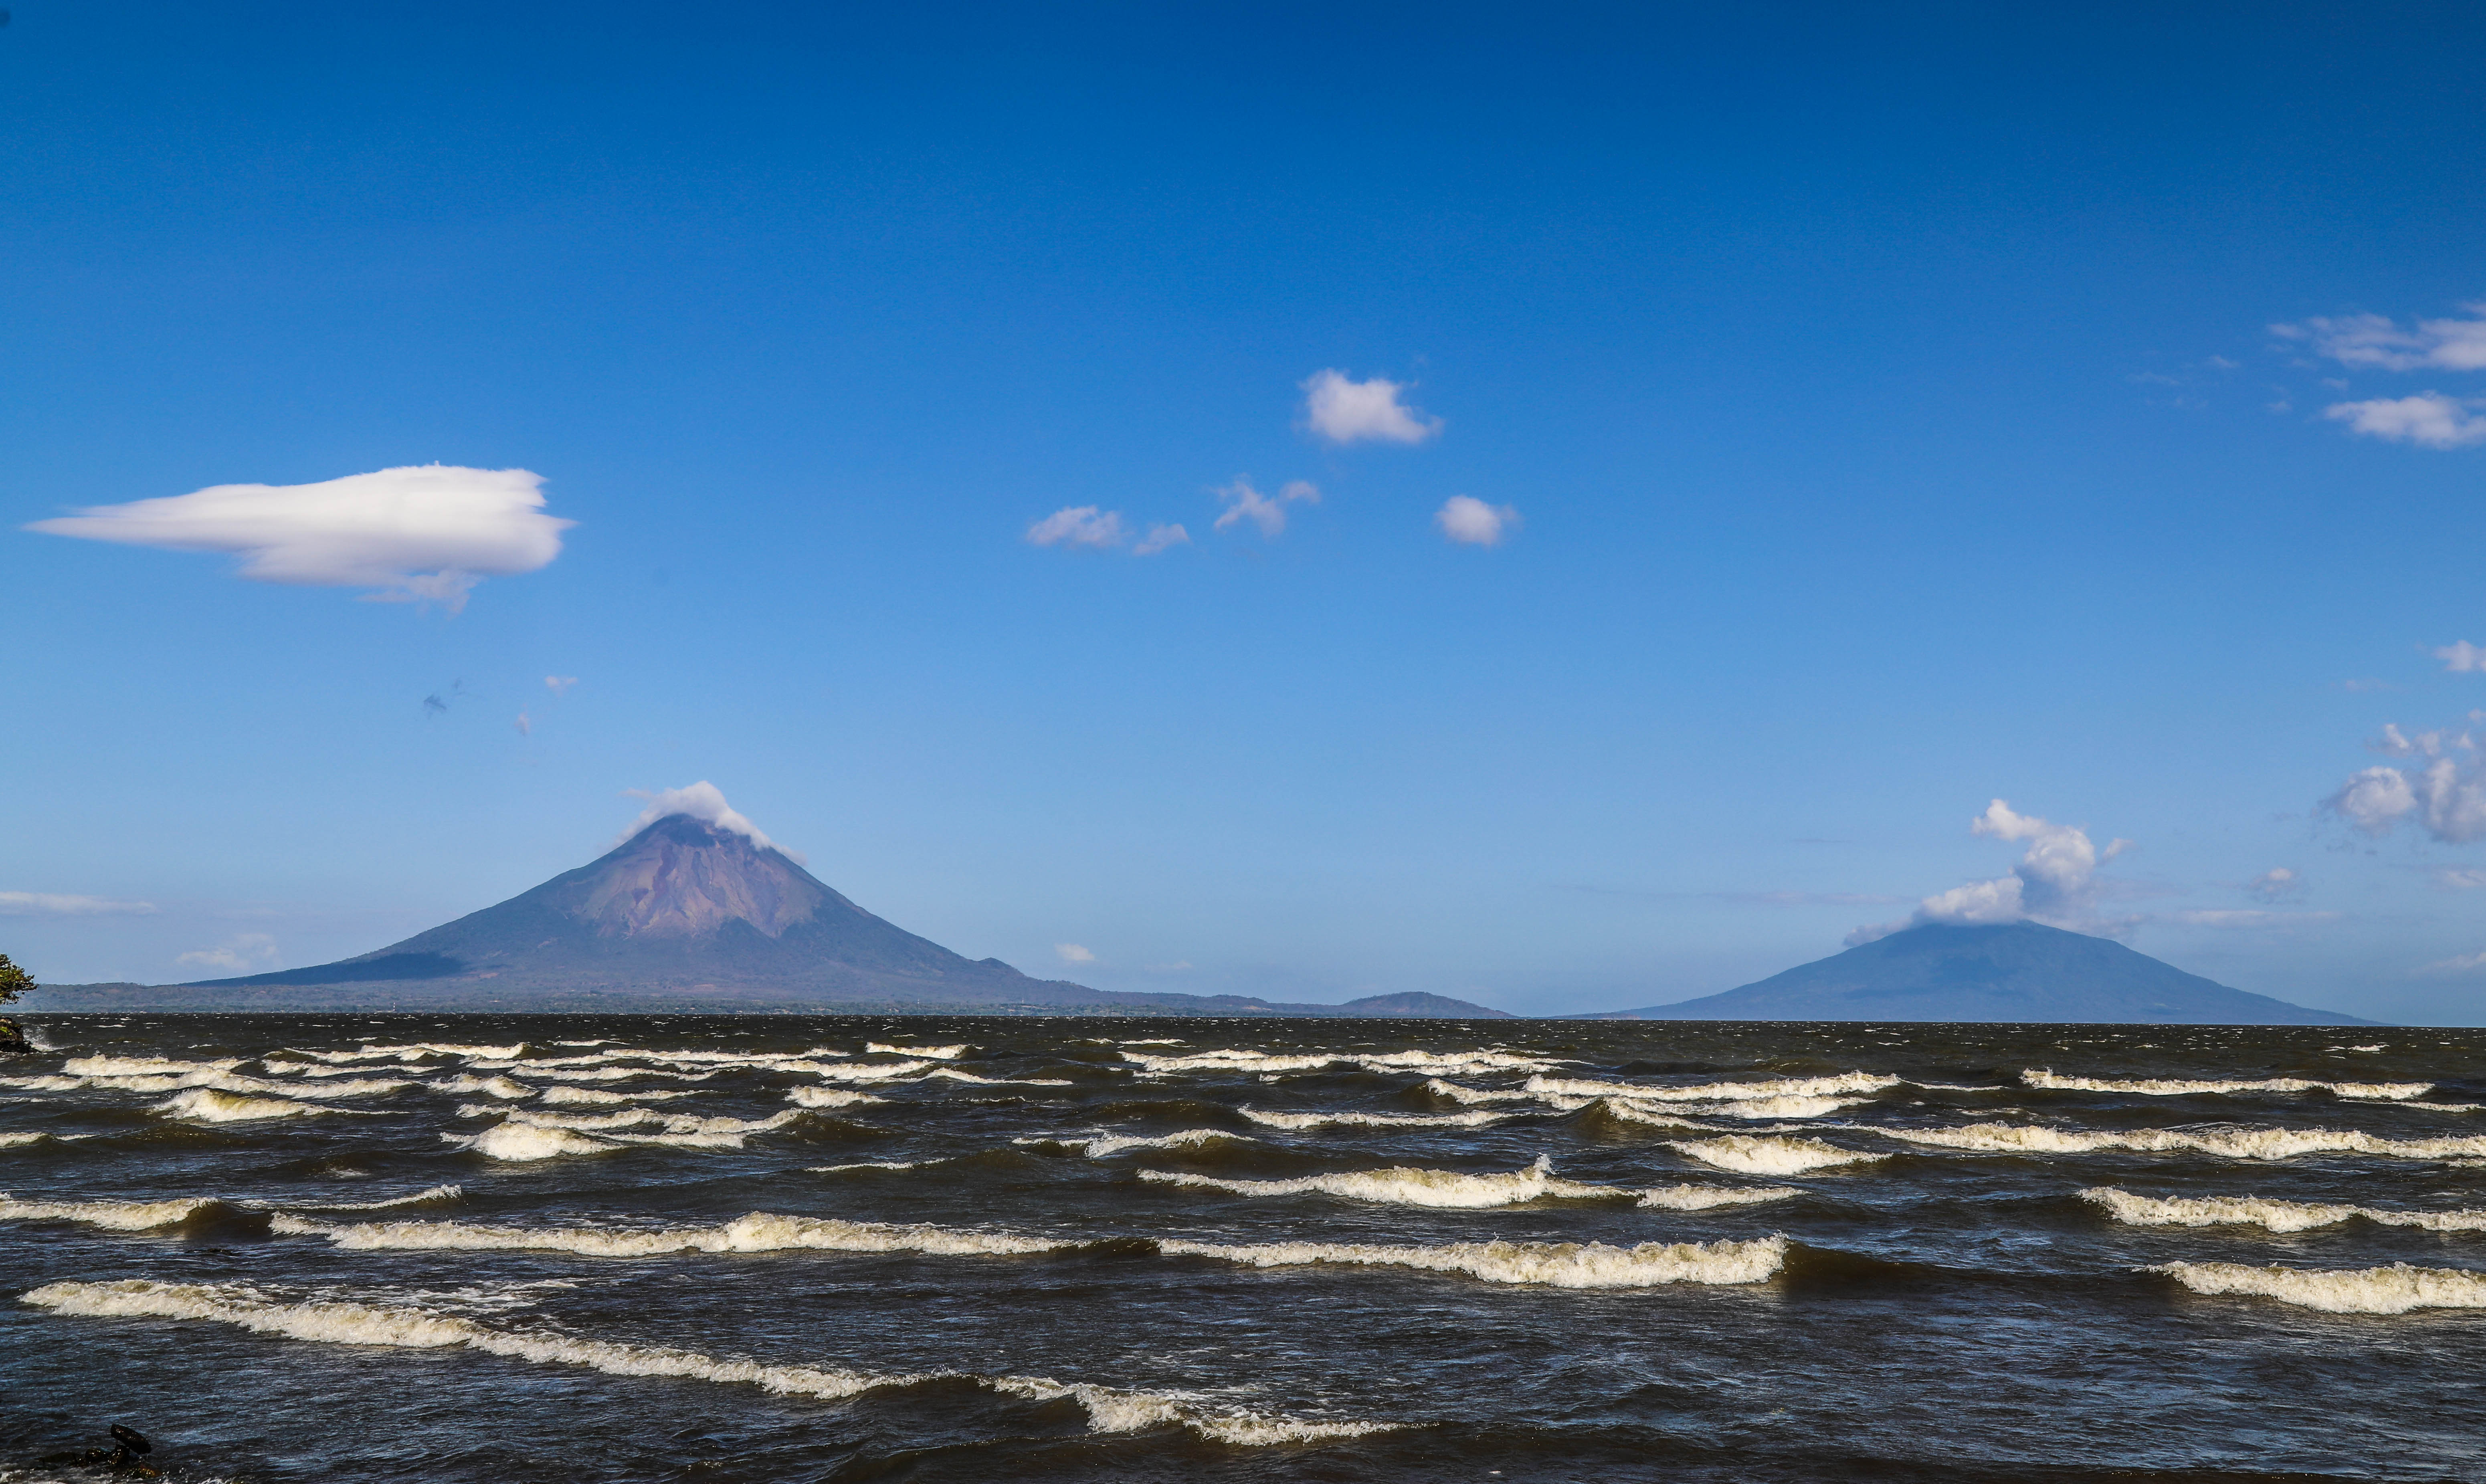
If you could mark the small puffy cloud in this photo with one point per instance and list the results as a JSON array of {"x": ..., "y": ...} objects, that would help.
[
  {"x": 703, "y": 801},
  {"x": 2374, "y": 800},
  {"x": 1269, "y": 513},
  {"x": 2443, "y": 790},
  {"x": 2461, "y": 658},
  {"x": 1343, "y": 411},
  {"x": 2055, "y": 883},
  {"x": 241, "y": 953},
  {"x": 1074, "y": 953},
  {"x": 2429, "y": 419},
  {"x": 2375, "y": 343},
  {"x": 52, "y": 904},
  {"x": 1471, "y": 522},
  {"x": 421, "y": 534},
  {"x": 1160, "y": 538},
  {"x": 560, "y": 685},
  {"x": 2275, "y": 884},
  {"x": 1079, "y": 525}
]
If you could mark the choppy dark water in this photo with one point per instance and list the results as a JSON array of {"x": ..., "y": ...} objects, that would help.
[{"x": 446, "y": 1248}]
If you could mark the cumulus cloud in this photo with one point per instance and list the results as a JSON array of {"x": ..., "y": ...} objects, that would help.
[
  {"x": 1269, "y": 513},
  {"x": 52, "y": 904},
  {"x": 420, "y": 533},
  {"x": 241, "y": 953},
  {"x": 2376, "y": 342},
  {"x": 2429, "y": 419},
  {"x": 1344, "y": 411},
  {"x": 2055, "y": 883},
  {"x": 560, "y": 685},
  {"x": 2275, "y": 884},
  {"x": 2443, "y": 794},
  {"x": 703, "y": 801},
  {"x": 1471, "y": 522},
  {"x": 1074, "y": 953}
]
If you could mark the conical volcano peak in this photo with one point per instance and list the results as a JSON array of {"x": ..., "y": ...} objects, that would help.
[
  {"x": 703, "y": 801},
  {"x": 685, "y": 877}
]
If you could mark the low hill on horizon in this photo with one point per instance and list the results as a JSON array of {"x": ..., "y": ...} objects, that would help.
[
  {"x": 685, "y": 915},
  {"x": 2008, "y": 972}
]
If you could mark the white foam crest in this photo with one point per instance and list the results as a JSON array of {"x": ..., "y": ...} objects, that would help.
[
  {"x": 517, "y": 1142},
  {"x": 1316, "y": 1120},
  {"x": 761, "y": 1232},
  {"x": 1771, "y": 1154},
  {"x": 954, "y": 1075},
  {"x": 110, "y": 1214},
  {"x": 1238, "y": 1060},
  {"x": 489, "y": 1086},
  {"x": 1783, "y": 1105},
  {"x": 1552, "y": 1264},
  {"x": 1629, "y": 1111},
  {"x": 45, "y": 1082},
  {"x": 19, "y": 1141},
  {"x": 1407, "y": 1186},
  {"x": 831, "y": 1169},
  {"x": 1474, "y": 1095},
  {"x": 2392, "y": 1290},
  {"x": 936, "y": 1053},
  {"x": 2159, "y": 1086},
  {"x": 613, "y": 1074},
  {"x": 627, "y": 1118},
  {"x": 561, "y": 1096},
  {"x": 1493, "y": 1060},
  {"x": 2276, "y": 1215},
  {"x": 211, "y": 1106},
  {"x": 830, "y": 1097},
  {"x": 1103, "y": 1144},
  {"x": 1108, "y": 1409},
  {"x": 883, "y": 1072},
  {"x": 1706, "y": 1198},
  {"x": 143, "y": 1067},
  {"x": 1835, "y": 1086},
  {"x": 438, "y": 1194},
  {"x": 2235, "y": 1143}
]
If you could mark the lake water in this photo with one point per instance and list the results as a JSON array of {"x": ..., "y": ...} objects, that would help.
[{"x": 494, "y": 1249}]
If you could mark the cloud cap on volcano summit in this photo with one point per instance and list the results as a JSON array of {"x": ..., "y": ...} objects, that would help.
[
  {"x": 704, "y": 802},
  {"x": 2055, "y": 883}
]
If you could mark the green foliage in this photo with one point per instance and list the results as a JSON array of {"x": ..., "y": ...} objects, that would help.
[{"x": 13, "y": 981}]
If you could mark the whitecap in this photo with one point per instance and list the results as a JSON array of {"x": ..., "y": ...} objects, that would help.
[
  {"x": 1771, "y": 1154},
  {"x": 1314, "y": 1120},
  {"x": 1717, "y": 1091},
  {"x": 2392, "y": 1290},
  {"x": 489, "y": 1086},
  {"x": 1103, "y": 1144},
  {"x": 438, "y": 1194},
  {"x": 567, "y": 1096},
  {"x": 215, "y": 1107},
  {"x": 2158, "y": 1087},
  {"x": 861, "y": 1072},
  {"x": 1474, "y": 1095},
  {"x": 358, "y": 1324},
  {"x": 2276, "y": 1215},
  {"x": 2235, "y": 1143},
  {"x": 936, "y": 1053},
  {"x": 1445, "y": 1189},
  {"x": 761, "y": 1232},
  {"x": 830, "y": 1097},
  {"x": 1552, "y": 1264},
  {"x": 110, "y": 1214}
]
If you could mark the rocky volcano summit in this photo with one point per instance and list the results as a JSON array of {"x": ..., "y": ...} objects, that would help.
[{"x": 686, "y": 913}]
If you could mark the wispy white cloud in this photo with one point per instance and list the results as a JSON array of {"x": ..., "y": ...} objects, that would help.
[
  {"x": 421, "y": 534},
  {"x": 1079, "y": 525},
  {"x": 1345, "y": 411},
  {"x": 2377, "y": 343},
  {"x": 53, "y": 904},
  {"x": 560, "y": 685},
  {"x": 702, "y": 801},
  {"x": 2461, "y": 658},
  {"x": 1471, "y": 522},
  {"x": 2429, "y": 419},
  {"x": 241, "y": 953},
  {"x": 2243, "y": 916},
  {"x": 526, "y": 726},
  {"x": 2055, "y": 883},
  {"x": 1159, "y": 538},
  {"x": 1268, "y": 513},
  {"x": 2459, "y": 878},
  {"x": 1074, "y": 953},
  {"x": 2453, "y": 968},
  {"x": 2275, "y": 884}
]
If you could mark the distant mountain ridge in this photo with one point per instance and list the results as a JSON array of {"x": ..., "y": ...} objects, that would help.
[
  {"x": 685, "y": 915},
  {"x": 2023, "y": 971}
]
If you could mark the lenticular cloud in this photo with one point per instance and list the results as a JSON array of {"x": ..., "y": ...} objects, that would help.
[{"x": 420, "y": 533}]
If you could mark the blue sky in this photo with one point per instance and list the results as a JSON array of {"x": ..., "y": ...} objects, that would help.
[{"x": 1887, "y": 404}]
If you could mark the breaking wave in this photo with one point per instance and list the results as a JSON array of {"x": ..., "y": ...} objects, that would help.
[
  {"x": 110, "y": 1214},
  {"x": 1771, "y": 1154},
  {"x": 214, "y": 1107},
  {"x": 1115, "y": 1144},
  {"x": 2275, "y": 1215},
  {"x": 1410, "y": 1187},
  {"x": 1843, "y": 1083},
  {"x": 1108, "y": 1409},
  {"x": 2392, "y": 1290},
  {"x": 1314, "y": 1120},
  {"x": 761, "y": 1232},
  {"x": 580, "y": 1097},
  {"x": 2235, "y": 1143},
  {"x": 489, "y": 1086},
  {"x": 936, "y": 1053},
  {"x": 1552, "y": 1264},
  {"x": 2153, "y": 1086},
  {"x": 830, "y": 1097}
]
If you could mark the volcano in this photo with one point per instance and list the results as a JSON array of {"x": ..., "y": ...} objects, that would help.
[{"x": 689, "y": 915}]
